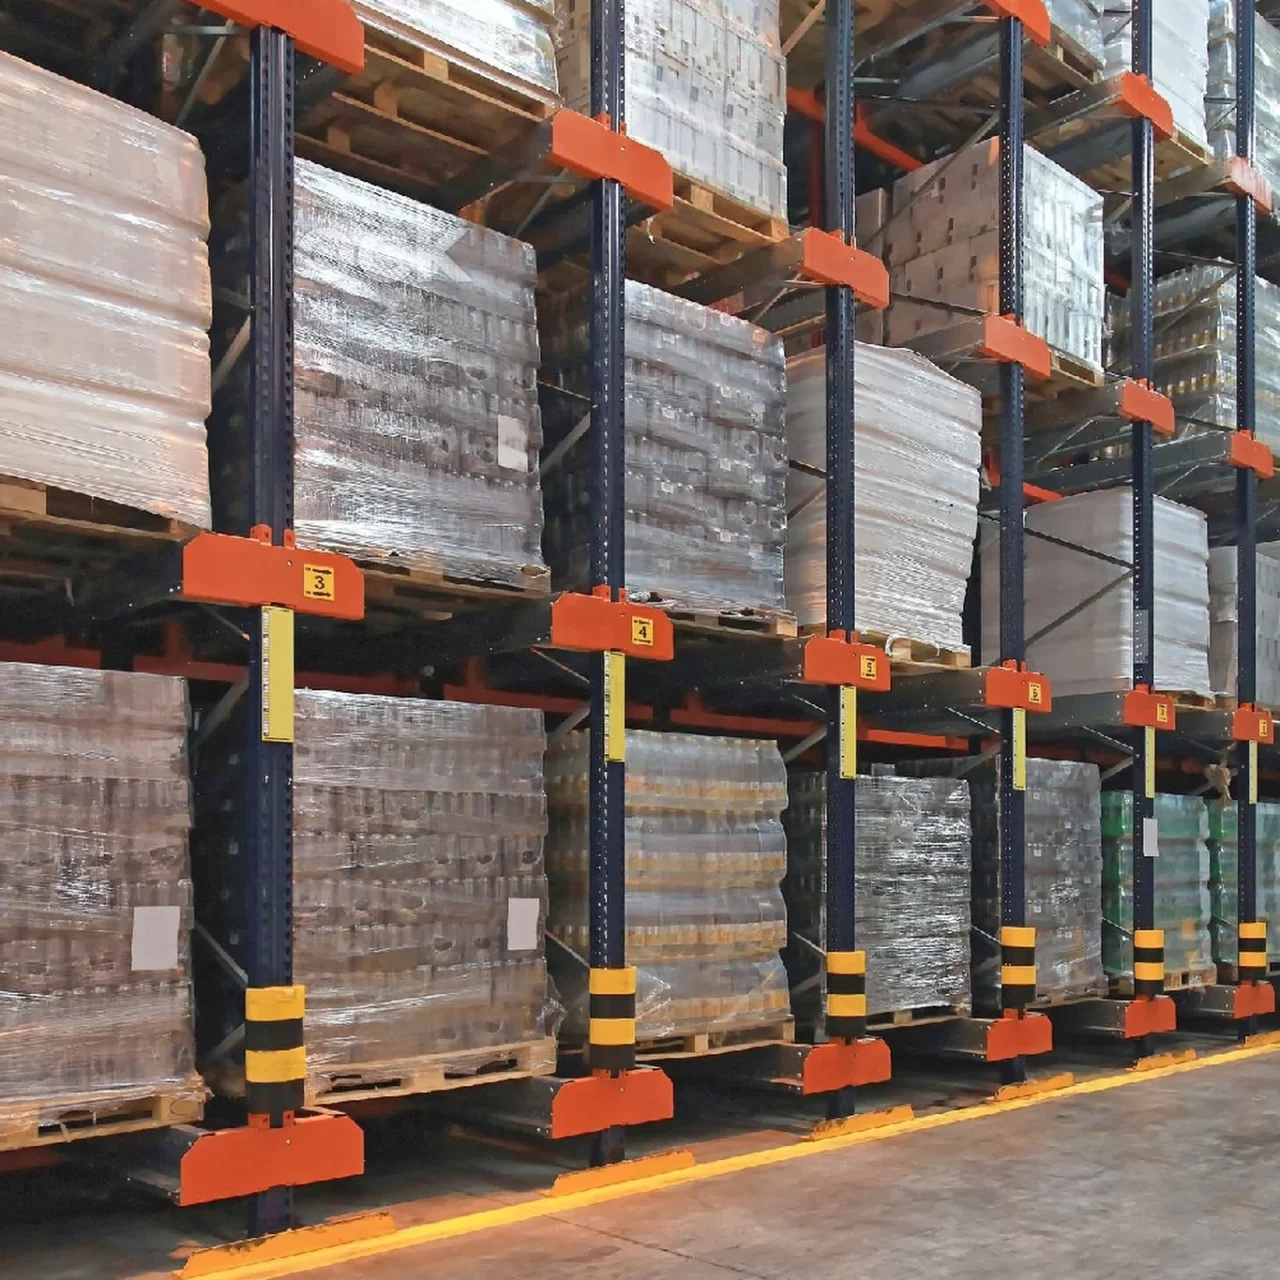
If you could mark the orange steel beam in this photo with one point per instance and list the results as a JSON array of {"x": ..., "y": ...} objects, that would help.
[
  {"x": 326, "y": 29},
  {"x": 807, "y": 103}
]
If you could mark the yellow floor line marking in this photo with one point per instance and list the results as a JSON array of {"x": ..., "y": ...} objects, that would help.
[
  {"x": 1033, "y": 1088},
  {"x": 826, "y": 1129},
  {"x": 577, "y": 1180},
  {"x": 544, "y": 1207}
]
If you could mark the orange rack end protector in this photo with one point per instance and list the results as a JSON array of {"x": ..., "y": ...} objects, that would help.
[
  {"x": 1253, "y": 1000},
  {"x": 1244, "y": 180},
  {"x": 1031, "y": 13},
  {"x": 1139, "y": 100},
  {"x": 1004, "y": 339},
  {"x": 846, "y": 1065},
  {"x": 218, "y": 568},
  {"x": 596, "y": 624},
  {"x": 326, "y": 29},
  {"x": 592, "y": 150},
  {"x": 1146, "y": 710},
  {"x": 591, "y": 1104},
  {"x": 1139, "y": 403},
  {"x": 1248, "y": 453},
  {"x": 1019, "y": 1037},
  {"x": 1248, "y": 724},
  {"x": 1149, "y": 1016},
  {"x": 1015, "y": 690},
  {"x": 827, "y": 259},
  {"x": 833, "y": 660},
  {"x": 224, "y": 1164}
]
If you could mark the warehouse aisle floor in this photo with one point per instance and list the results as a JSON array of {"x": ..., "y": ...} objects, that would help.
[{"x": 1170, "y": 1177}]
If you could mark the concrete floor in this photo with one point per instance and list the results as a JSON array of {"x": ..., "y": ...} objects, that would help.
[{"x": 1167, "y": 1178}]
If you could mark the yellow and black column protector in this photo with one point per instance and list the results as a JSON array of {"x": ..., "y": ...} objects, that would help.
[
  {"x": 846, "y": 995},
  {"x": 275, "y": 1059},
  {"x": 611, "y": 1039},
  {"x": 1017, "y": 966},
  {"x": 1251, "y": 951},
  {"x": 1148, "y": 962}
]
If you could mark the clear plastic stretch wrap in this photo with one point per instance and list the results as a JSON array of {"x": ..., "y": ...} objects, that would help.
[
  {"x": 419, "y": 891},
  {"x": 1179, "y": 56},
  {"x": 105, "y": 301},
  {"x": 1080, "y": 21},
  {"x": 1063, "y": 874},
  {"x": 1181, "y": 883},
  {"x": 705, "y": 450},
  {"x": 507, "y": 41},
  {"x": 95, "y": 892},
  {"x": 911, "y": 893},
  {"x": 706, "y": 83},
  {"x": 1224, "y": 887},
  {"x": 917, "y": 454},
  {"x": 417, "y": 427},
  {"x": 1092, "y": 651},
  {"x": 1220, "y": 103},
  {"x": 1223, "y": 616},
  {"x": 1195, "y": 348},
  {"x": 705, "y": 857},
  {"x": 943, "y": 246}
]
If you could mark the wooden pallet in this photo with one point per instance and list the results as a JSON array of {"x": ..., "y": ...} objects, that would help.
[
  {"x": 1229, "y": 974},
  {"x": 439, "y": 592},
  {"x": 414, "y": 119},
  {"x": 906, "y": 656},
  {"x": 702, "y": 1044},
  {"x": 1186, "y": 701},
  {"x": 1174, "y": 980},
  {"x": 768, "y": 623},
  {"x": 1072, "y": 995},
  {"x": 41, "y": 1124},
  {"x": 915, "y": 1017},
  {"x": 431, "y": 1073}
]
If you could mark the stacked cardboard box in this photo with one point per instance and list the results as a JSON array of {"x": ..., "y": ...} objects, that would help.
[
  {"x": 1220, "y": 102},
  {"x": 1092, "y": 650},
  {"x": 1223, "y": 628},
  {"x": 503, "y": 41},
  {"x": 912, "y": 913},
  {"x": 419, "y": 893},
  {"x": 706, "y": 84},
  {"x": 1224, "y": 864},
  {"x": 916, "y": 457},
  {"x": 943, "y": 250},
  {"x": 105, "y": 298},
  {"x": 1063, "y": 875},
  {"x": 705, "y": 856},
  {"x": 706, "y": 459},
  {"x": 1182, "y": 906},
  {"x": 1179, "y": 56},
  {"x": 416, "y": 423},
  {"x": 95, "y": 891}
]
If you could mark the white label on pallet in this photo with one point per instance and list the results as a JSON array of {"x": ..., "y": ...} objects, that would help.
[
  {"x": 155, "y": 937},
  {"x": 513, "y": 444},
  {"x": 522, "y": 923},
  {"x": 1150, "y": 837}
]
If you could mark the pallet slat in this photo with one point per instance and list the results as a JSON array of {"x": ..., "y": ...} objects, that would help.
[{"x": 58, "y": 1120}]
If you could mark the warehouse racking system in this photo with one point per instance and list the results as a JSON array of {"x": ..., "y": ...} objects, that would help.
[{"x": 592, "y": 185}]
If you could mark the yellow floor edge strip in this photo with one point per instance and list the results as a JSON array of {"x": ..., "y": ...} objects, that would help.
[{"x": 545, "y": 1207}]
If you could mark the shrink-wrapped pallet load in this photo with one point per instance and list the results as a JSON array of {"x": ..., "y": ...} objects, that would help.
[
  {"x": 1224, "y": 885},
  {"x": 1223, "y": 618},
  {"x": 416, "y": 419},
  {"x": 1081, "y": 22},
  {"x": 1179, "y": 56},
  {"x": 105, "y": 299},
  {"x": 419, "y": 898},
  {"x": 1063, "y": 871},
  {"x": 943, "y": 247},
  {"x": 1091, "y": 651},
  {"x": 705, "y": 857},
  {"x": 1181, "y": 869},
  {"x": 506, "y": 42},
  {"x": 917, "y": 453},
  {"x": 1195, "y": 349},
  {"x": 706, "y": 84},
  {"x": 706, "y": 461},
  {"x": 95, "y": 899},
  {"x": 1220, "y": 101},
  {"x": 912, "y": 892}
]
